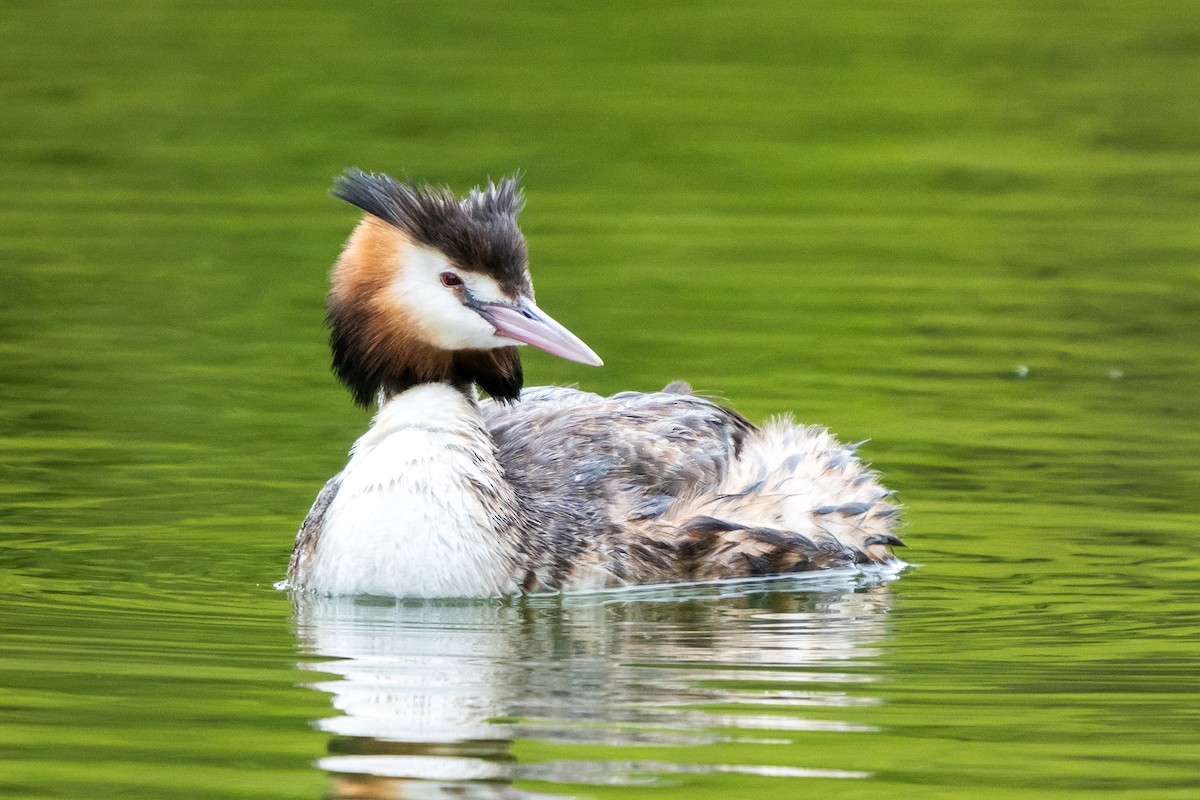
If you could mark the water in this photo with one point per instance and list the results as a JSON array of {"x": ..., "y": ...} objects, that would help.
[{"x": 970, "y": 238}]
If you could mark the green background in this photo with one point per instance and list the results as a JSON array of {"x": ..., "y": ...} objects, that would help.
[{"x": 966, "y": 231}]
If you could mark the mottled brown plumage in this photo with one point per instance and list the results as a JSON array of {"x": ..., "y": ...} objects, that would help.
[{"x": 668, "y": 486}]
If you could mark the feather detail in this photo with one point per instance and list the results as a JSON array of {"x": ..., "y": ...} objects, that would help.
[
  {"x": 567, "y": 490},
  {"x": 447, "y": 496}
]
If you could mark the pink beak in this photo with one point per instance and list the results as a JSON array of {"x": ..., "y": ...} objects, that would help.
[{"x": 527, "y": 323}]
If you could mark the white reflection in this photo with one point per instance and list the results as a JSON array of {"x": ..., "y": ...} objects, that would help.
[{"x": 431, "y": 695}]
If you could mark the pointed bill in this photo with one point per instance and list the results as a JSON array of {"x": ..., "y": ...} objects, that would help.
[{"x": 525, "y": 322}]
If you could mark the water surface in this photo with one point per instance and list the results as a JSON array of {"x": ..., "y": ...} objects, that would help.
[{"x": 968, "y": 237}]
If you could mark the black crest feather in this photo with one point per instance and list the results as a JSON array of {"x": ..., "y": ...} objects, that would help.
[{"x": 478, "y": 232}]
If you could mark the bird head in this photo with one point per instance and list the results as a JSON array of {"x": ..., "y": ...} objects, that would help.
[{"x": 434, "y": 287}]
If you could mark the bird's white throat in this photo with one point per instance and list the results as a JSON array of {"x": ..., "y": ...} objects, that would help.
[{"x": 423, "y": 508}]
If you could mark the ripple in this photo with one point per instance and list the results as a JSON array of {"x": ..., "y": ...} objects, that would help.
[{"x": 439, "y": 694}]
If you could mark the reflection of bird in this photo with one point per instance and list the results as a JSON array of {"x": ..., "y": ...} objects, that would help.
[
  {"x": 429, "y": 697},
  {"x": 553, "y": 488}
]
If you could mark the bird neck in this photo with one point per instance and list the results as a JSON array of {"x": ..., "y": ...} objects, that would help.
[
  {"x": 423, "y": 508},
  {"x": 372, "y": 354}
]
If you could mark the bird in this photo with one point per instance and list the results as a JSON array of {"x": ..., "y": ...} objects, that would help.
[{"x": 548, "y": 489}]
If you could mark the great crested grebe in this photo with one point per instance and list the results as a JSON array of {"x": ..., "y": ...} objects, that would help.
[{"x": 547, "y": 489}]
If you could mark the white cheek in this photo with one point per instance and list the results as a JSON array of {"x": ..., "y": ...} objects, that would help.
[{"x": 442, "y": 317}]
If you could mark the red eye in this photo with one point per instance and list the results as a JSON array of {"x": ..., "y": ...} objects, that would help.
[{"x": 450, "y": 280}]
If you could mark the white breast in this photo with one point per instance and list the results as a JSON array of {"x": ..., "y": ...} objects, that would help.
[{"x": 423, "y": 508}]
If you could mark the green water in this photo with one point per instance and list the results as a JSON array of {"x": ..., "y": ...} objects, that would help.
[{"x": 967, "y": 232}]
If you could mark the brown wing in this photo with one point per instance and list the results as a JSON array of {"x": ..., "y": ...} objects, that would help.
[
  {"x": 650, "y": 488},
  {"x": 312, "y": 527},
  {"x": 646, "y": 448},
  {"x": 589, "y": 470}
]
